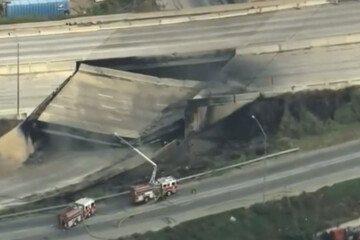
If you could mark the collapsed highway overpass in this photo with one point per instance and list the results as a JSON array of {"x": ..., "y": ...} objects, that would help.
[{"x": 103, "y": 101}]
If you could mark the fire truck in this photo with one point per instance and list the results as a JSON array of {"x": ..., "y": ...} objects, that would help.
[
  {"x": 76, "y": 213},
  {"x": 339, "y": 233},
  {"x": 155, "y": 189},
  {"x": 163, "y": 187}
]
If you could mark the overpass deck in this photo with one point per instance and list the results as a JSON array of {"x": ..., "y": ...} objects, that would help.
[
  {"x": 234, "y": 32},
  {"x": 103, "y": 101}
]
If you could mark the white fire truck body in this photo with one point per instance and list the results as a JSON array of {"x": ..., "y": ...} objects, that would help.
[
  {"x": 145, "y": 192},
  {"x": 74, "y": 214},
  {"x": 155, "y": 189}
]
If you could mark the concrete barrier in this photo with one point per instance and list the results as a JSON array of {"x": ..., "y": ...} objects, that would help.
[
  {"x": 300, "y": 44},
  {"x": 37, "y": 68},
  {"x": 168, "y": 17}
]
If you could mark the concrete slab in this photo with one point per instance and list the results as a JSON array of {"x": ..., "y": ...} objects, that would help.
[{"x": 103, "y": 101}]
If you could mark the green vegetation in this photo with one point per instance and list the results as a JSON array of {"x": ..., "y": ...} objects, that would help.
[
  {"x": 319, "y": 120},
  {"x": 295, "y": 218}
]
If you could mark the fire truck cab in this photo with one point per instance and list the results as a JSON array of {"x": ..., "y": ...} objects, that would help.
[
  {"x": 87, "y": 205},
  {"x": 145, "y": 192},
  {"x": 168, "y": 185},
  {"x": 75, "y": 213}
]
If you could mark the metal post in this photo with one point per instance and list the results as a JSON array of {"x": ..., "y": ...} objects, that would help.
[
  {"x": 18, "y": 80},
  {"x": 265, "y": 154}
]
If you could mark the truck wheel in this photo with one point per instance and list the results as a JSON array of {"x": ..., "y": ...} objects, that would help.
[
  {"x": 146, "y": 199},
  {"x": 169, "y": 193},
  {"x": 75, "y": 223}
]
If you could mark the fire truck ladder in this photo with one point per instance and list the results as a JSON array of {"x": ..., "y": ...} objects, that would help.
[{"x": 153, "y": 175}]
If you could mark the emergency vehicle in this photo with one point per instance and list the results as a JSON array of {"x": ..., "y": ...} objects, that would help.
[
  {"x": 76, "y": 213},
  {"x": 155, "y": 189},
  {"x": 163, "y": 187}
]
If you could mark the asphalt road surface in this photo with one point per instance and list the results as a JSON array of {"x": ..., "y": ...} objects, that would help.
[
  {"x": 242, "y": 187},
  {"x": 296, "y": 69},
  {"x": 281, "y": 26},
  {"x": 34, "y": 88}
]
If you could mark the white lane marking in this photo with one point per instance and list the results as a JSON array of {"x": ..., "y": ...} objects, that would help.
[
  {"x": 114, "y": 118},
  {"x": 108, "y": 107},
  {"x": 105, "y": 96},
  {"x": 57, "y": 106}
]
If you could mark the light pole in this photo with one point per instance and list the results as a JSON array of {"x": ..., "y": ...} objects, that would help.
[
  {"x": 18, "y": 82},
  {"x": 265, "y": 154}
]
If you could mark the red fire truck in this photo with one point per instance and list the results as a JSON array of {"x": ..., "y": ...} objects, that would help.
[
  {"x": 155, "y": 189},
  {"x": 163, "y": 187},
  {"x": 77, "y": 212}
]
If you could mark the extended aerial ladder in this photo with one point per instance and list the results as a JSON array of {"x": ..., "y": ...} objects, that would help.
[{"x": 153, "y": 175}]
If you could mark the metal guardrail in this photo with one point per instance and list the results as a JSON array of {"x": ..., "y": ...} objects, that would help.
[
  {"x": 195, "y": 176},
  {"x": 238, "y": 164}
]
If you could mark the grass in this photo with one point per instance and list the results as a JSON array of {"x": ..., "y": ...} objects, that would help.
[
  {"x": 295, "y": 218},
  {"x": 335, "y": 134}
]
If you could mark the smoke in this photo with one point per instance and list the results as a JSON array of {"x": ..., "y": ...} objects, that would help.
[{"x": 15, "y": 148}]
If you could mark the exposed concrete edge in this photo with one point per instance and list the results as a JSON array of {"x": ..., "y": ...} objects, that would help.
[
  {"x": 352, "y": 38},
  {"x": 44, "y": 117},
  {"x": 224, "y": 99},
  {"x": 138, "y": 77},
  {"x": 41, "y": 67},
  {"x": 196, "y": 14}
]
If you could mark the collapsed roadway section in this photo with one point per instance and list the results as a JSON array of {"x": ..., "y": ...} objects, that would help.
[{"x": 100, "y": 101}]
